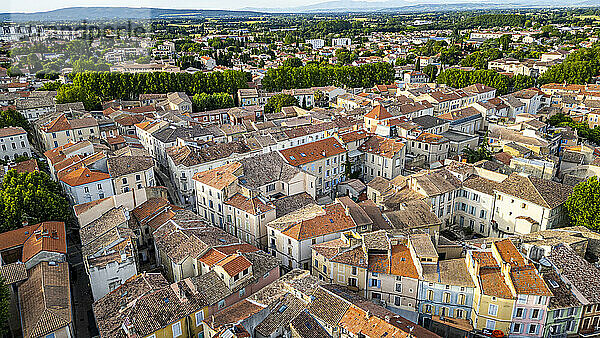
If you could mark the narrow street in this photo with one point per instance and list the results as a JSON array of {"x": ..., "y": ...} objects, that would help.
[
  {"x": 165, "y": 181},
  {"x": 81, "y": 293}
]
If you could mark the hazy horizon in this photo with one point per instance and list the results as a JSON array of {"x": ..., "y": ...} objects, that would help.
[{"x": 34, "y": 6}]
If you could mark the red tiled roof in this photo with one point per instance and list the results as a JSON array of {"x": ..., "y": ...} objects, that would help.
[
  {"x": 334, "y": 220},
  {"x": 83, "y": 176},
  {"x": 313, "y": 151},
  {"x": 378, "y": 113},
  {"x": 46, "y": 236},
  {"x": 235, "y": 264}
]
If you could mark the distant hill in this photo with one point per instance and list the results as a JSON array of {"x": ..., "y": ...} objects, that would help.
[
  {"x": 332, "y": 6},
  {"x": 103, "y": 13},
  {"x": 341, "y": 6}
]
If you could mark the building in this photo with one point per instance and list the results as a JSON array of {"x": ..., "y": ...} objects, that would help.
[
  {"x": 246, "y": 218},
  {"x": 131, "y": 172},
  {"x": 341, "y": 42},
  {"x": 526, "y": 204},
  {"x": 14, "y": 143},
  {"x": 342, "y": 261},
  {"x": 415, "y": 76},
  {"x": 147, "y": 305},
  {"x": 440, "y": 189},
  {"x": 324, "y": 159},
  {"x": 475, "y": 204},
  {"x": 84, "y": 185},
  {"x": 564, "y": 309},
  {"x": 213, "y": 187},
  {"x": 445, "y": 291},
  {"x": 33, "y": 108},
  {"x": 316, "y": 43},
  {"x": 382, "y": 157},
  {"x": 45, "y": 301},
  {"x": 109, "y": 251},
  {"x": 582, "y": 277},
  {"x": 291, "y": 236},
  {"x": 60, "y": 131}
]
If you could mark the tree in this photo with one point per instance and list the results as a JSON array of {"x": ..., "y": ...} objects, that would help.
[
  {"x": 31, "y": 197},
  {"x": 292, "y": 63},
  {"x": 418, "y": 64},
  {"x": 4, "y": 308},
  {"x": 431, "y": 71},
  {"x": 505, "y": 41},
  {"x": 482, "y": 152},
  {"x": 583, "y": 205},
  {"x": 51, "y": 86},
  {"x": 344, "y": 56},
  {"x": 12, "y": 118},
  {"x": 278, "y": 101},
  {"x": 204, "y": 102}
]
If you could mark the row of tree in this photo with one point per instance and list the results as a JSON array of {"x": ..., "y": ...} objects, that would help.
[
  {"x": 94, "y": 87},
  {"x": 316, "y": 75},
  {"x": 204, "y": 101},
  {"x": 459, "y": 78}
]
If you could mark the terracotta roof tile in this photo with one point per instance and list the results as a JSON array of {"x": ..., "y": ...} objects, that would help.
[
  {"x": 313, "y": 151},
  {"x": 83, "y": 176},
  {"x": 220, "y": 177}
]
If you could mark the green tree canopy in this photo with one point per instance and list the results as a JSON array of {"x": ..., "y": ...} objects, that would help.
[
  {"x": 31, "y": 197},
  {"x": 12, "y": 118},
  {"x": 4, "y": 308},
  {"x": 204, "y": 102},
  {"x": 278, "y": 101},
  {"x": 431, "y": 71},
  {"x": 583, "y": 205}
]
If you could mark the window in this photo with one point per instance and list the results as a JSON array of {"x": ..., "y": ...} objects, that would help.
[
  {"x": 124, "y": 180},
  {"x": 398, "y": 301},
  {"x": 352, "y": 282},
  {"x": 535, "y": 314},
  {"x": 490, "y": 324},
  {"x": 398, "y": 287},
  {"x": 522, "y": 299},
  {"x": 221, "y": 304},
  {"x": 428, "y": 308},
  {"x": 242, "y": 292},
  {"x": 176, "y": 328},
  {"x": 516, "y": 327},
  {"x": 429, "y": 294},
  {"x": 446, "y": 297},
  {"x": 199, "y": 317},
  {"x": 532, "y": 328},
  {"x": 354, "y": 270},
  {"x": 519, "y": 313},
  {"x": 86, "y": 189},
  {"x": 459, "y": 313},
  {"x": 138, "y": 177},
  {"x": 493, "y": 310}
]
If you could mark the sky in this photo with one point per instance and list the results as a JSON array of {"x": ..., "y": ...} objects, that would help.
[{"x": 47, "y": 5}]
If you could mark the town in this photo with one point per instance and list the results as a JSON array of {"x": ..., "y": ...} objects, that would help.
[{"x": 247, "y": 174}]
